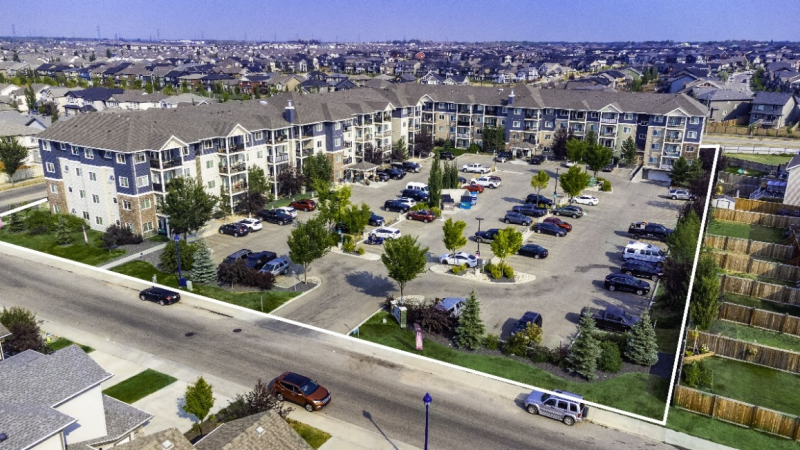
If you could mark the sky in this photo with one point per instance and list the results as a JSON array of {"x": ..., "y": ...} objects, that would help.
[{"x": 381, "y": 20}]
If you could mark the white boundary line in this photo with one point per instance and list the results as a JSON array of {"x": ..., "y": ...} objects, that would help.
[
  {"x": 679, "y": 351},
  {"x": 23, "y": 207}
]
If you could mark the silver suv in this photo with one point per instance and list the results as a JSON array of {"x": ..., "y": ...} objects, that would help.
[
  {"x": 564, "y": 406},
  {"x": 680, "y": 194}
]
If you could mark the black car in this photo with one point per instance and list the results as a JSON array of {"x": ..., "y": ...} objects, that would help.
[
  {"x": 410, "y": 166},
  {"x": 234, "y": 229},
  {"x": 536, "y": 199},
  {"x": 235, "y": 256},
  {"x": 533, "y": 250},
  {"x": 572, "y": 210},
  {"x": 257, "y": 260},
  {"x": 376, "y": 220},
  {"x": 538, "y": 159},
  {"x": 608, "y": 168},
  {"x": 549, "y": 228},
  {"x": 382, "y": 176},
  {"x": 518, "y": 218},
  {"x": 462, "y": 181},
  {"x": 447, "y": 155},
  {"x": 641, "y": 269},
  {"x": 502, "y": 156},
  {"x": 160, "y": 296},
  {"x": 529, "y": 317},
  {"x": 395, "y": 205},
  {"x": 416, "y": 194},
  {"x": 395, "y": 174},
  {"x": 275, "y": 216},
  {"x": 530, "y": 210},
  {"x": 624, "y": 282}
]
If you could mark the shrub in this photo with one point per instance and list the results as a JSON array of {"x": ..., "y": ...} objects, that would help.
[
  {"x": 611, "y": 359},
  {"x": 436, "y": 211},
  {"x": 348, "y": 245},
  {"x": 606, "y": 187},
  {"x": 540, "y": 354},
  {"x": 16, "y": 223},
  {"x": 360, "y": 250},
  {"x": 168, "y": 261},
  {"x": 419, "y": 206},
  {"x": 260, "y": 280},
  {"x": 40, "y": 221},
  {"x": 618, "y": 339},
  {"x": 508, "y": 271},
  {"x": 491, "y": 342},
  {"x": 516, "y": 345},
  {"x": 116, "y": 235},
  {"x": 697, "y": 375},
  {"x": 559, "y": 355},
  {"x": 494, "y": 270},
  {"x": 459, "y": 268},
  {"x": 430, "y": 318}
]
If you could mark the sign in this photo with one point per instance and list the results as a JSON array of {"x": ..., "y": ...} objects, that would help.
[{"x": 418, "y": 332}]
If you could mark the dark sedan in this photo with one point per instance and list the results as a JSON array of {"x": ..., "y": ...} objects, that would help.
[
  {"x": 537, "y": 199},
  {"x": 447, "y": 155},
  {"x": 160, "y": 296},
  {"x": 395, "y": 174},
  {"x": 515, "y": 217},
  {"x": 276, "y": 216},
  {"x": 533, "y": 250},
  {"x": 572, "y": 211},
  {"x": 537, "y": 160},
  {"x": 234, "y": 229},
  {"x": 395, "y": 205},
  {"x": 624, "y": 282},
  {"x": 641, "y": 269},
  {"x": 530, "y": 210},
  {"x": 549, "y": 228},
  {"x": 376, "y": 220}
]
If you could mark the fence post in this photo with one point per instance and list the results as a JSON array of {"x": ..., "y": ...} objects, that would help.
[
  {"x": 713, "y": 406},
  {"x": 752, "y": 316},
  {"x": 753, "y": 416},
  {"x": 796, "y": 434},
  {"x": 783, "y": 323}
]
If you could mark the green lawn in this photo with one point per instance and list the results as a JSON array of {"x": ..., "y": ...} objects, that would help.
[
  {"x": 754, "y": 384},
  {"x": 725, "y": 433},
  {"x": 644, "y": 394},
  {"x": 46, "y": 243},
  {"x": 456, "y": 151},
  {"x": 745, "y": 231},
  {"x": 272, "y": 299},
  {"x": 60, "y": 343},
  {"x": 756, "y": 335},
  {"x": 762, "y": 304},
  {"x": 667, "y": 339},
  {"x": 747, "y": 172},
  {"x": 763, "y": 159},
  {"x": 139, "y": 386},
  {"x": 313, "y": 436},
  {"x": 286, "y": 200}
]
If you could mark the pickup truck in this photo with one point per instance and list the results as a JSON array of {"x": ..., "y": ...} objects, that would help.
[
  {"x": 650, "y": 230},
  {"x": 486, "y": 235},
  {"x": 611, "y": 318},
  {"x": 475, "y": 168}
]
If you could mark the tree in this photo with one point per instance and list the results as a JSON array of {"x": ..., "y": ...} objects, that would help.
[
  {"x": 758, "y": 82},
  {"x": 63, "y": 233},
  {"x": 723, "y": 76},
  {"x": 203, "y": 269},
  {"x": 399, "y": 150},
  {"x": 682, "y": 244},
  {"x": 454, "y": 237},
  {"x": 356, "y": 218},
  {"x": 188, "y": 205},
  {"x": 317, "y": 168},
  {"x": 372, "y": 154},
  {"x": 12, "y": 154},
  {"x": 199, "y": 400},
  {"x": 257, "y": 194},
  {"x": 560, "y": 143},
  {"x": 184, "y": 87},
  {"x": 576, "y": 150},
  {"x": 25, "y": 334},
  {"x": 641, "y": 346},
  {"x": 585, "y": 349},
  {"x": 290, "y": 181},
  {"x": 232, "y": 273},
  {"x": 224, "y": 207},
  {"x": 680, "y": 172},
  {"x": 598, "y": 156},
  {"x": 16, "y": 224},
  {"x": 168, "y": 260},
  {"x": 256, "y": 401},
  {"x": 705, "y": 303},
  {"x": 30, "y": 98},
  {"x": 574, "y": 181},
  {"x": 470, "y": 330},
  {"x": 629, "y": 151},
  {"x": 308, "y": 242},
  {"x": 435, "y": 183},
  {"x": 331, "y": 203},
  {"x": 506, "y": 243},
  {"x": 404, "y": 259},
  {"x": 149, "y": 88},
  {"x": 540, "y": 181},
  {"x": 108, "y": 53},
  {"x": 423, "y": 143},
  {"x": 494, "y": 139}
]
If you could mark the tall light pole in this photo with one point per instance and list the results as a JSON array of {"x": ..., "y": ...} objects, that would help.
[
  {"x": 555, "y": 189},
  {"x": 178, "y": 257},
  {"x": 427, "y": 400},
  {"x": 479, "y": 219}
]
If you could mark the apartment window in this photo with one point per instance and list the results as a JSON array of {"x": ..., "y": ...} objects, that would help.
[
  {"x": 549, "y": 111},
  {"x": 441, "y": 128},
  {"x": 503, "y": 122},
  {"x": 185, "y": 151},
  {"x": 123, "y": 182},
  {"x": 626, "y": 129},
  {"x": 98, "y": 220},
  {"x": 516, "y": 124},
  {"x": 259, "y": 154},
  {"x": 562, "y": 125},
  {"x": 114, "y": 199},
  {"x": 86, "y": 215},
  {"x": 724, "y": 113},
  {"x": 212, "y": 184},
  {"x": 209, "y": 164},
  {"x": 338, "y": 158},
  {"x": 107, "y": 155},
  {"x": 694, "y": 120},
  {"x": 142, "y": 181},
  {"x": 548, "y": 124},
  {"x": 129, "y": 226},
  {"x": 148, "y": 226},
  {"x": 126, "y": 205},
  {"x": 656, "y": 132},
  {"x": 480, "y": 130},
  {"x": 140, "y": 158},
  {"x": 655, "y": 146},
  {"x": 66, "y": 168},
  {"x": 337, "y": 142},
  {"x": 208, "y": 144},
  {"x": 642, "y": 136},
  {"x": 337, "y": 126},
  {"x": 75, "y": 151},
  {"x": 54, "y": 188},
  {"x": 452, "y": 129},
  {"x": 547, "y": 137},
  {"x": 593, "y": 114},
  {"x": 50, "y": 167},
  {"x": 515, "y": 136},
  {"x": 691, "y": 134},
  {"x": 592, "y": 127},
  {"x": 92, "y": 176},
  {"x": 452, "y": 118},
  {"x": 56, "y": 209},
  {"x": 82, "y": 193},
  {"x": 319, "y": 127},
  {"x": 628, "y": 116},
  {"x": 259, "y": 135},
  {"x": 95, "y": 198},
  {"x": 658, "y": 119},
  {"x": 441, "y": 116},
  {"x": 145, "y": 204},
  {"x": 88, "y": 153},
  {"x": 517, "y": 111},
  {"x": 319, "y": 144},
  {"x": 120, "y": 158}
]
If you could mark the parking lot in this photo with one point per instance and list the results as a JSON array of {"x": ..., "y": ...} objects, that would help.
[{"x": 570, "y": 278}]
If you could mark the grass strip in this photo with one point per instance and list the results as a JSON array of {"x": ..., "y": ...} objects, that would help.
[
  {"x": 746, "y": 231},
  {"x": 139, "y": 386},
  {"x": 755, "y": 335},
  {"x": 725, "y": 433},
  {"x": 46, "y": 243},
  {"x": 313, "y": 436},
  {"x": 762, "y": 304},
  {"x": 64, "y": 343}
]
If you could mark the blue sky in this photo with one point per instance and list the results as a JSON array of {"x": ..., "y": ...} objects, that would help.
[{"x": 450, "y": 20}]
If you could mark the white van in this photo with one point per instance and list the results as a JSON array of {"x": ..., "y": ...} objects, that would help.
[
  {"x": 413, "y": 185},
  {"x": 643, "y": 252}
]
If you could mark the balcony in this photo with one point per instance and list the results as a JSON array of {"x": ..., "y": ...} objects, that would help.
[
  {"x": 278, "y": 158},
  {"x": 607, "y": 133},
  {"x": 159, "y": 164},
  {"x": 673, "y": 138},
  {"x": 347, "y": 161},
  {"x": 236, "y": 148},
  {"x": 304, "y": 153},
  {"x": 608, "y": 120},
  {"x": 387, "y": 133},
  {"x": 531, "y": 128},
  {"x": 236, "y": 188},
  {"x": 676, "y": 123},
  {"x": 281, "y": 138},
  {"x": 233, "y": 168},
  {"x": 463, "y": 123}
]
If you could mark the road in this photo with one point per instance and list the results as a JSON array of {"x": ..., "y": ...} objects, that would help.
[
  {"x": 21, "y": 195},
  {"x": 368, "y": 392}
]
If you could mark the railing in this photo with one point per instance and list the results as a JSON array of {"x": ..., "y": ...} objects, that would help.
[
  {"x": 278, "y": 158},
  {"x": 348, "y": 160},
  {"x": 675, "y": 123},
  {"x": 305, "y": 152},
  {"x": 462, "y": 123},
  {"x": 387, "y": 133},
  {"x": 673, "y": 139},
  {"x": 238, "y": 187},
  {"x": 607, "y": 133},
  {"x": 606, "y": 120},
  {"x": 531, "y": 128},
  {"x": 463, "y": 135},
  {"x": 159, "y": 164},
  {"x": 281, "y": 138},
  {"x": 672, "y": 154},
  {"x": 231, "y": 149},
  {"x": 234, "y": 168}
]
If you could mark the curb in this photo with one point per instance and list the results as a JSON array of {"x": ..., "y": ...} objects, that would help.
[{"x": 302, "y": 294}]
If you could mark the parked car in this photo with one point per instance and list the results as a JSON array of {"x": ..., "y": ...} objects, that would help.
[
  {"x": 257, "y": 260},
  {"x": 573, "y": 211},
  {"x": 386, "y": 232},
  {"x": 494, "y": 178},
  {"x": 559, "y": 223},
  {"x": 538, "y": 159},
  {"x": 301, "y": 390},
  {"x": 561, "y": 405},
  {"x": 396, "y": 205},
  {"x": 537, "y": 199},
  {"x": 382, "y": 175},
  {"x": 305, "y": 204},
  {"x": 643, "y": 252},
  {"x": 473, "y": 188},
  {"x": 585, "y": 200},
  {"x": 642, "y": 269},
  {"x": 288, "y": 210},
  {"x": 452, "y": 305},
  {"x": 277, "y": 216},
  {"x": 475, "y": 168},
  {"x": 458, "y": 259},
  {"x": 608, "y": 168},
  {"x": 410, "y": 202},
  {"x": 410, "y": 166},
  {"x": 160, "y": 295},
  {"x": 278, "y": 266},
  {"x": 234, "y": 229},
  {"x": 237, "y": 255},
  {"x": 549, "y": 228},
  {"x": 486, "y": 235},
  {"x": 533, "y": 250},
  {"x": 416, "y": 194},
  {"x": 570, "y": 163},
  {"x": 529, "y": 317},
  {"x": 394, "y": 174},
  {"x": 486, "y": 182},
  {"x": 447, "y": 155},
  {"x": 376, "y": 220},
  {"x": 624, "y": 282},
  {"x": 680, "y": 194},
  {"x": 502, "y": 157},
  {"x": 649, "y": 230},
  {"x": 252, "y": 224},
  {"x": 612, "y": 318},
  {"x": 423, "y": 215},
  {"x": 530, "y": 210},
  {"x": 517, "y": 218}
]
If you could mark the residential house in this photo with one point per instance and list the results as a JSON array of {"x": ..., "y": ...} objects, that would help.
[
  {"x": 89, "y": 100},
  {"x": 773, "y": 110},
  {"x": 792, "y": 195},
  {"x": 724, "y": 104},
  {"x": 138, "y": 100},
  {"x": 431, "y": 78},
  {"x": 263, "y": 431},
  {"x": 24, "y": 129}
]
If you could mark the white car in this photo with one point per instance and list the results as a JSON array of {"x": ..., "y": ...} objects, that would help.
[
  {"x": 570, "y": 163},
  {"x": 410, "y": 202},
  {"x": 458, "y": 259},
  {"x": 585, "y": 200},
  {"x": 252, "y": 224},
  {"x": 476, "y": 168},
  {"x": 288, "y": 210},
  {"x": 386, "y": 232},
  {"x": 485, "y": 182}
]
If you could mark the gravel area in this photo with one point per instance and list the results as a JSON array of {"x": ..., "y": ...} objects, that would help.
[
  {"x": 519, "y": 277},
  {"x": 368, "y": 256}
]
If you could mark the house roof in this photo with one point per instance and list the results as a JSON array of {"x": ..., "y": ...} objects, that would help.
[
  {"x": 121, "y": 419},
  {"x": 771, "y": 98},
  {"x": 4, "y": 333},
  {"x": 95, "y": 93},
  {"x": 8, "y": 128},
  {"x": 263, "y": 431},
  {"x": 793, "y": 163},
  {"x": 716, "y": 95},
  {"x": 26, "y": 425},
  {"x": 158, "y": 440}
]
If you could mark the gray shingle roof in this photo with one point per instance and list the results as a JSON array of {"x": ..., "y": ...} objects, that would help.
[
  {"x": 121, "y": 419},
  {"x": 793, "y": 164},
  {"x": 26, "y": 425},
  {"x": 155, "y": 441},
  {"x": 244, "y": 434},
  {"x": 4, "y": 332},
  {"x": 771, "y": 98}
]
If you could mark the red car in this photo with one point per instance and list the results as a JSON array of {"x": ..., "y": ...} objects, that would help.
[
  {"x": 473, "y": 188},
  {"x": 423, "y": 214},
  {"x": 558, "y": 222},
  {"x": 304, "y": 205}
]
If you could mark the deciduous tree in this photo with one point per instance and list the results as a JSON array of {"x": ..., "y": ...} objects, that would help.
[
  {"x": 188, "y": 205},
  {"x": 574, "y": 181},
  {"x": 454, "y": 237},
  {"x": 576, "y": 150},
  {"x": 290, "y": 181},
  {"x": 629, "y": 151},
  {"x": 25, "y": 334},
  {"x": 470, "y": 329},
  {"x": 308, "y": 242},
  {"x": 540, "y": 181},
  {"x": 506, "y": 243},
  {"x": 356, "y": 218},
  {"x": 317, "y": 169},
  {"x": 423, "y": 143},
  {"x": 199, "y": 400},
  {"x": 560, "y": 143},
  {"x": 598, "y": 156},
  {"x": 12, "y": 154},
  {"x": 404, "y": 259}
]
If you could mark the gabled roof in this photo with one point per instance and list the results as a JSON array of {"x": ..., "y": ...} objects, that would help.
[
  {"x": 263, "y": 431},
  {"x": 121, "y": 419},
  {"x": 771, "y": 98},
  {"x": 4, "y": 333},
  {"x": 157, "y": 441},
  {"x": 27, "y": 425},
  {"x": 93, "y": 94},
  {"x": 794, "y": 163}
]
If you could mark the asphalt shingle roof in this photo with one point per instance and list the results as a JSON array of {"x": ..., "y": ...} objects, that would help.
[
  {"x": 25, "y": 425},
  {"x": 263, "y": 431},
  {"x": 121, "y": 419},
  {"x": 771, "y": 98}
]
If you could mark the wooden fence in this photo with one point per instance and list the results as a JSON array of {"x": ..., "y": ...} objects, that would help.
[
  {"x": 733, "y": 161},
  {"x": 751, "y": 247},
  {"x": 754, "y": 218},
  {"x": 759, "y": 318},
  {"x": 746, "y": 264},
  {"x": 740, "y": 413},
  {"x": 745, "y": 204},
  {"x": 715, "y": 128},
  {"x": 761, "y": 355},
  {"x": 759, "y": 289}
]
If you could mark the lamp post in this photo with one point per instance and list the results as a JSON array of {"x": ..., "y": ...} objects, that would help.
[
  {"x": 479, "y": 219},
  {"x": 427, "y": 400},
  {"x": 178, "y": 256},
  {"x": 555, "y": 189}
]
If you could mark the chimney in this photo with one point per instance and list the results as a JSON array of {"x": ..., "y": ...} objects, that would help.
[
  {"x": 288, "y": 112},
  {"x": 511, "y": 98}
]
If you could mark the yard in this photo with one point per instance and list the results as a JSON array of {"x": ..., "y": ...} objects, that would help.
[
  {"x": 745, "y": 231},
  {"x": 313, "y": 436},
  {"x": 89, "y": 254},
  {"x": 139, "y": 386},
  {"x": 762, "y": 304},
  {"x": 782, "y": 158},
  {"x": 724, "y": 433},
  {"x": 60, "y": 343},
  {"x": 252, "y": 299},
  {"x": 756, "y": 335}
]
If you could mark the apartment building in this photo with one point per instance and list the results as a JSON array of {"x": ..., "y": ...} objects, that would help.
[{"x": 114, "y": 168}]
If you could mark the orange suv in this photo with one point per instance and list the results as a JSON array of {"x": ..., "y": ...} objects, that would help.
[{"x": 301, "y": 390}]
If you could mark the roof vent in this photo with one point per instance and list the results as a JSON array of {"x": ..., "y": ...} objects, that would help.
[
  {"x": 260, "y": 430},
  {"x": 166, "y": 445}
]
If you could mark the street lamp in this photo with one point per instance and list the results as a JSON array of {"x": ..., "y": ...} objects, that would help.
[
  {"x": 427, "y": 399},
  {"x": 479, "y": 219},
  {"x": 178, "y": 256},
  {"x": 555, "y": 189}
]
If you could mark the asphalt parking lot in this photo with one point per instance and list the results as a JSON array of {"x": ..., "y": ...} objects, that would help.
[{"x": 570, "y": 278}]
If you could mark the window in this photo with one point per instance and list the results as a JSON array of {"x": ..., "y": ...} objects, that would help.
[
  {"x": 655, "y": 146},
  {"x": 123, "y": 182},
  {"x": 126, "y": 205},
  {"x": 82, "y": 193},
  {"x": 185, "y": 151},
  {"x": 338, "y": 158},
  {"x": 259, "y": 154},
  {"x": 548, "y": 124},
  {"x": 54, "y": 188},
  {"x": 259, "y": 135},
  {"x": 658, "y": 119},
  {"x": 562, "y": 125},
  {"x": 517, "y": 111},
  {"x": 98, "y": 220},
  {"x": 208, "y": 144},
  {"x": 337, "y": 126},
  {"x": 86, "y": 215},
  {"x": 147, "y": 227},
  {"x": 626, "y": 129},
  {"x": 593, "y": 114},
  {"x": 319, "y": 127},
  {"x": 547, "y": 137},
  {"x": 66, "y": 168},
  {"x": 212, "y": 184},
  {"x": 46, "y": 146},
  {"x": 145, "y": 203},
  {"x": 441, "y": 128},
  {"x": 129, "y": 226},
  {"x": 140, "y": 158},
  {"x": 51, "y": 167},
  {"x": 76, "y": 152},
  {"x": 515, "y": 136},
  {"x": 628, "y": 116},
  {"x": 319, "y": 144},
  {"x": 642, "y": 136},
  {"x": 114, "y": 199},
  {"x": 480, "y": 119},
  {"x": 452, "y": 118},
  {"x": 337, "y": 142},
  {"x": 95, "y": 198},
  {"x": 88, "y": 153},
  {"x": 656, "y": 132},
  {"x": 724, "y": 113},
  {"x": 56, "y": 209},
  {"x": 691, "y": 134},
  {"x": 694, "y": 121},
  {"x": 92, "y": 176},
  {"x": 441, "y": 116},
  {"x": 142, "y": 181},
  {"x": 516, "y": 124},
  {"x": 107, "y": 155},
  {"x": 78, "y": 171},
  {"x": 549, "y": 111},
  {"x": 452, "y": 129},
  {"x": 209, "y": 164},
  {"x": 120, "y": 158}
]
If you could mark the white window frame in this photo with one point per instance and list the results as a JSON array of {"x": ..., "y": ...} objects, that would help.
[
  {"x": 75, "y": 151},
  {"x": 98, "y": 220},
  {"x": 594, "y": 115},
  {"x": 121, "y": 158},
  {"x": 337, "y": 126},
  {"x": 88, "y": 153},
  {"x": 210, "y": 164},
  {"x": 337, "y": 142},
  {"x": 86, "y": 215},
  {"x": 140, "y": 158},
  {"x": 691, "y": 134},
  {"x": 185, "y": 151},
  {"x": 656, "y": 132},
  {"x": 95, "y": 198},
  {"x": 628, "y": 116},
  {"x": 694, "y": 120},
  {"x": 82, "y": 193},
  {"x": 212, "y": 184},
  {"x": 142, "y": 181},
  {"x": 516, "y": 124},
  {"x": 123, "y": 182},
  {"x": 145, "y": 203},
  {"x": 319, "y": 127},
  {"x": 207, "y": 144},
  {"x": 655, "y": 146},
  {"x": 148, "y": 226},
  {"x": 51, "y": 168},
  {"x": 54, "y": 188},
  {"x": 626, "y": 129},
  {"x": 46, "y": 146},
  {"x": 126, "y": 205},
  {"x": 259, "y": 135}
]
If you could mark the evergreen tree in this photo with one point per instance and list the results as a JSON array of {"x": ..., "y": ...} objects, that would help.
[
  {"x": 585, "y": 349},
  {"x": 30, "y": 98},
  {"x": 629, "y": 151},
  {"x": 680, "y": 172},
  {"x": 560, "y": 138},
  {"x": 63, "y": 233},
  {"x": 682, "y": 244},
  {"x": 16, "y": 224},
  {"x": 470, "y": 330},
  {"x": 203, "y": 270},
  {"x": 399, "y": 150},
  {"x": 704, "y": 305},
  {"x": 435, "y": 183},
  {"x": 199, "y": 400},
  {"x": 641, "y": 346}
]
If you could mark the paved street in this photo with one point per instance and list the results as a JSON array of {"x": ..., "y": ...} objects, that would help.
[
  {"x": 369, "y": 392},
  {"x": 21, "y": 195}
]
